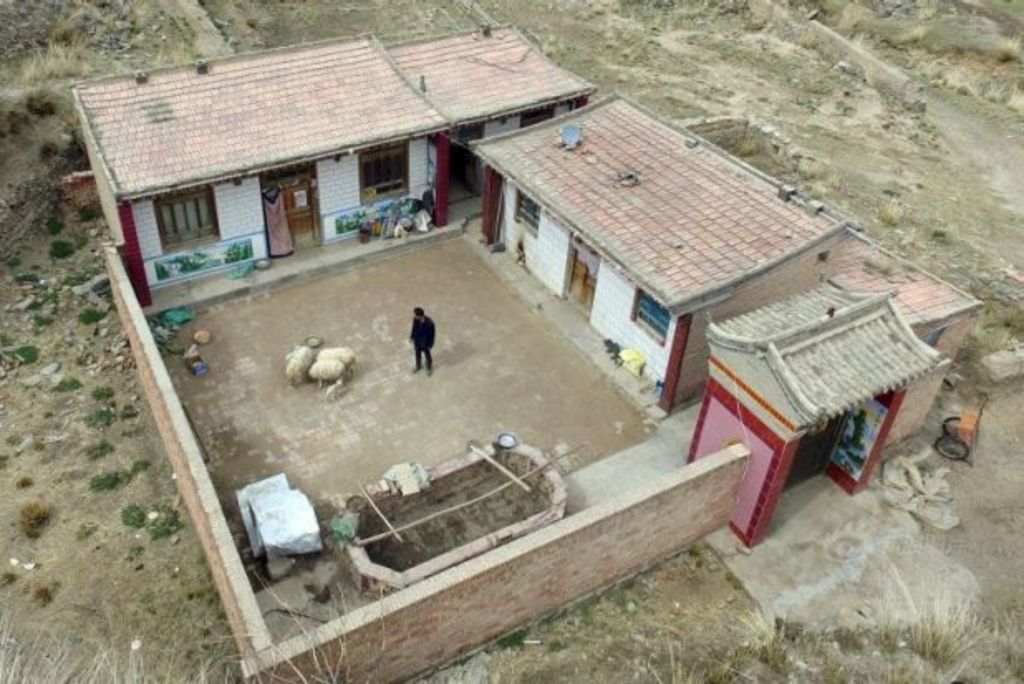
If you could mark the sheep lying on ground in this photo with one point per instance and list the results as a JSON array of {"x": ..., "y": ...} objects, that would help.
[
  {"x": 298, "y": 364},
  {"x": 343, "y": 354},
  {"x": 327, "y": 370}
]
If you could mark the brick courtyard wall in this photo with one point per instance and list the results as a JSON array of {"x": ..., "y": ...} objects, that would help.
[
  {"x": 798, "y": 274},
  {"x": 192, "y": 478},
  {"x": 468, "y": 606}
]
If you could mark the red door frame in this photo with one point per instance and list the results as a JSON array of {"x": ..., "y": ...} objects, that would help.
[
  {"x": 491, "y": 203},
  {"x": 442, "y": 149},
  {"x": 675, "y": 363},
  {"x": 892, "y": 401}
]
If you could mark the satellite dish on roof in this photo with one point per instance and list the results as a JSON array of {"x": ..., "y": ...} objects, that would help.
[{"x": 572, "y": 135}]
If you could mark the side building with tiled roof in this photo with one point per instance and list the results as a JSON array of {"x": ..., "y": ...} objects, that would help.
[
  {"x": 651, "y": 229},
  {"x": 648, "y": 228}
]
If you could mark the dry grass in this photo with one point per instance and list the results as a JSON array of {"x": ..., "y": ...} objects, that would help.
[
  {"x": 33, "y": 518},
  {"x": 1015, "y": 100},
  {"x": 808, "y": 39},
  {"x": 944, "y": 633},
  {"x": 1008, "y": 50},
  {"x": 766, "y": 642},
  {"x": 24, "y": 658},
  {"x": 749, "y": 145},
  {"x": 56, "y": 62},
  {"x": 891, "y": 214},
  {"x": 854, "y": 18}
]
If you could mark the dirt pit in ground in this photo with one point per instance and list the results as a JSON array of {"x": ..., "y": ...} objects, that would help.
[{"x": 450, "y": 531}]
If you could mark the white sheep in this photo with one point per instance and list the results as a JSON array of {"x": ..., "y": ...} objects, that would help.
[
  {"x": 298, "y": 363},
  {"x": 327, "y": 370},
  {"x": 343, "y": 354}
]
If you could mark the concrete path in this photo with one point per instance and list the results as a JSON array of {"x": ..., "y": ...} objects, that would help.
[
  {"x": 637, "y": 465},
  {"x": 832, "y": 560},
  {"x": 304, "y": 265},
  {"x": 568, "y": 320}
]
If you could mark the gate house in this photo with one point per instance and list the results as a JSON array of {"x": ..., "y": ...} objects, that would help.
[{"x": 811, "y": 384}]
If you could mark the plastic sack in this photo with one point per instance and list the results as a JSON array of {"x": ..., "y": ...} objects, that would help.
[
  {"x": 286, "y": 523},
  {"x": 245, "y": 495},
  {"x": 345, "y": 527},
  {"x": 634, "y": 361}
]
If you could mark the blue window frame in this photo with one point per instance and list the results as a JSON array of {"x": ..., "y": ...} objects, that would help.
[{"x": 652, "y": 316}]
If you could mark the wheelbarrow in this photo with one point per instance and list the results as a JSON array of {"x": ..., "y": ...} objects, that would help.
[{"x": 960, "y": 433}]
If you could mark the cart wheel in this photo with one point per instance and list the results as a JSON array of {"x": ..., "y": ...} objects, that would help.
[
  {"x": 951, "y": 426},
  {"x": 952, "y": 448}
]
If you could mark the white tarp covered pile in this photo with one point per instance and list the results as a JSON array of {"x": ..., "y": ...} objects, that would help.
[
  {"x": 279, "y": 520},
  {"x": 923, "y": 493}
]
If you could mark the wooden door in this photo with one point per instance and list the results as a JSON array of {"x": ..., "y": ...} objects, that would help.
[
  {"x": 300, "y": 205},
  {"x": 582, "y": 284}
]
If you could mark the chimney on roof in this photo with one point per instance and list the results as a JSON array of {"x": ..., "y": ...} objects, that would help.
[
  {"x": 786, "y": 192},
  {"x": 486, "y": 30},
  {"x": 202, "y": 67},
  {"x": 814, "y": 207},
  {"x": 423, "y": 83},
  {"x": 141, "y": 77}
]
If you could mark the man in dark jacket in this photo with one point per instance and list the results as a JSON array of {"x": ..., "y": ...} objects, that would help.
[{"x": 422, "y": 337}]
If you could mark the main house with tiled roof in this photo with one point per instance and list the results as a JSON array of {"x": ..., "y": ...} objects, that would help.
[{"x": 346, "y": 132}]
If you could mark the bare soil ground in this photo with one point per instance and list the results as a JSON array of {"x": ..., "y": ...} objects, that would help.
[
  {"x": 490, "y": 351},
  {"x": 940, "y": 187}
]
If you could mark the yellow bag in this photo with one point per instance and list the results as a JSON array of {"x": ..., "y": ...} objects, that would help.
[{"x": 633, "y": 360}]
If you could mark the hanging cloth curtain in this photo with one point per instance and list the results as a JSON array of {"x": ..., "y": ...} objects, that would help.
[{"x": 279, "y": 236}]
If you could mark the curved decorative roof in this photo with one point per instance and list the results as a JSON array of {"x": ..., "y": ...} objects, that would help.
[{"x": 829, "y": 350}]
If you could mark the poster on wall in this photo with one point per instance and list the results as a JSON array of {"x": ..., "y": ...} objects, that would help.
[
  {"x": 198, "y": 260},
  {"x": 858, "y": 438}
]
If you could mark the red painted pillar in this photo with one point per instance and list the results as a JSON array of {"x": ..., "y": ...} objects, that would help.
[
  {"x": 705, "y": 404},
  {"x": 442, "y": 148},
  {"x": 131, "y": 254},
  {"x": 675, "y": 362},
  {"x": 491, "y": 200},
  {"x": 768, "y": 498}
]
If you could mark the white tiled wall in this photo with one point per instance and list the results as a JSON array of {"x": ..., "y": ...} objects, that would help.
[
  {"x": 146, "y": 228},
  {"x": 612, "y": 315},
  {"x": 497, "y": 126},
  {"x": 511, "y": 231},
  {"x": 239, "y": 208},
  {"x": 418, "y": 165},
  {"x": 337, "y": 185},
  {"x": 547, "y": 257}
]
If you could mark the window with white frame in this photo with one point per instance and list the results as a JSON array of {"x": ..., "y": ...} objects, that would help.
[
  {"x": 527, "y": 211},
  {"x": 651, "y": 316},
  {"x": 186, "y": 218}
]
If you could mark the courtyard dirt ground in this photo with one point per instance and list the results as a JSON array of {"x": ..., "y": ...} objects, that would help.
[{"x": 497, "y": 367}]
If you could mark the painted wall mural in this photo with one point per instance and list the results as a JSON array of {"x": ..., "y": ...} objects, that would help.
[
  {"x": 378, "y": 219},
  {"x": 859, "y": 436},
  {"x": 203, "y": 259}
]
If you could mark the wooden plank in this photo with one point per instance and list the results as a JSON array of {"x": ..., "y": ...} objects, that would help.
[
  {"x": 383, "y": 517},
  {"x": 504, "y": 471}
]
